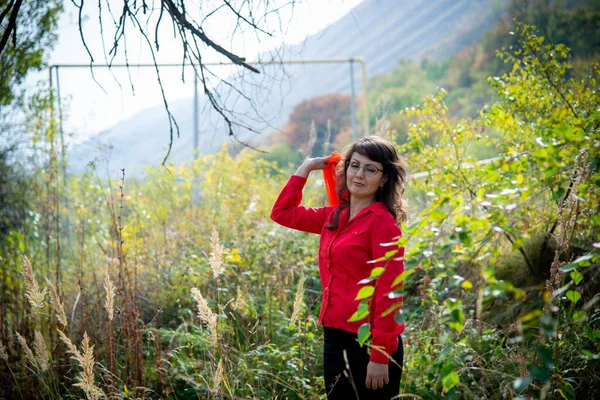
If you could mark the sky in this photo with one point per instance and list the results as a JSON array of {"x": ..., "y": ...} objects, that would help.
[{"x": 95, "y": 103}]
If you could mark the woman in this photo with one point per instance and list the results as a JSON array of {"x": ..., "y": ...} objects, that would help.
[{"x": 370, "y": 191}]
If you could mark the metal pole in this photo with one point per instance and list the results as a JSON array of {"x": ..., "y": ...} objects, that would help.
[
  {"x": 365, "y": 97},
  {"x": 352, "y": 101},
  {"x": 195, "y": 189},
  {"x": 63, "y": 155}
]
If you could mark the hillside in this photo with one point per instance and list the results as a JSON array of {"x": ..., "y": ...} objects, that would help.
[{"x": 380, "y": 31}]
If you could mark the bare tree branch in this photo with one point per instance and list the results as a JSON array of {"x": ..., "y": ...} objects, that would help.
[
  {"x": 4, "y": 12},
  {"x": 189, "y": 21},
  {"x": 181, "y": 20},
  {"x": 11, "y": 28}
]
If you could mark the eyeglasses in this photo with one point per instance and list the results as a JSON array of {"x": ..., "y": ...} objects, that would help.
[{"x": 369, "y": 169}]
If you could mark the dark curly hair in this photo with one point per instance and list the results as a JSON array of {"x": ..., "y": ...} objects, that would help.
[{"x": 394, "y": 167}]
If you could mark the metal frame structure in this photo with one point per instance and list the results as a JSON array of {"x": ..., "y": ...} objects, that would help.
[{"x": 351, "y": 61}]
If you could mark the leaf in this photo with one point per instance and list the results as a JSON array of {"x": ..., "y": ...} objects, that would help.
[
  {"x": 550, "y": 172},
  {"x": 364, "y": 332},
  {"x": 437, "y": 215},
  {"x": 558, "y": 195},
  {"x": 540, "y": 153},
  {"x": 466, "y": 285},
  {"x": 575, "y": 264},
  {"x": 390, "y": 254},
  {"x": 520, "y": 179},
  {"x": 458, "y": 316},
  {"x": 396, "y": 294},
  {"x": 546, "y": 357},
  {"x": 391, "y": 309},
  {"x": 531, "y": 315},
  {"x": 465, "y": 238},
  {"x": 402, "y": 277},
  {"x": 588, "y": 332},
  {"x": 366, "y": 280},
  {"x": 365, "y": 292},
  {"x": 578, "y": 316},
  {"x": 573, "y": 296},
  {"x": 583, "y": 258},
  {"x": 450, "y": 380},
  {"x": 375, "y": 272},
  {"x": 358, "y": 316},
  {"x": 568, "y": 267},
  {"x": 361, "y": 313},
  {"x": 540, "y": 373},
  {"x": 521, "y": 383},
  {"x": 576, "y": 276},
  {"x": 400, "y": 317}
]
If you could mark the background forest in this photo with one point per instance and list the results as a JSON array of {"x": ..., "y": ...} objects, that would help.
[{"x": 178, "y": 285}]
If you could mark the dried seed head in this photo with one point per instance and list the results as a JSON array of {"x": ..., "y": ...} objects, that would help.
[
  {"x": 71, "y": 347},
  {"x": 32, "y": 289},
  {"x": 218, "y": 376},
  {"x": 240, "y": 304},
  {"x": 206, "y": 314},
  {"x": 41, "y": 352},
  {"x": 298, "y": 301},
  {"x": 216, "y": 254},
  {"x": 85, "y": 380},
  {"x": 312, "y": 139},
  {"x": 27, "y": 350},
  {"x": 57, "y": 304},
  {"x": 3, "y": 353},
  {"x": 110, "y": 295}
]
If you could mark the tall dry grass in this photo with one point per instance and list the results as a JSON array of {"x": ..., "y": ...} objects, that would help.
[{"x": 131, "y": 318}]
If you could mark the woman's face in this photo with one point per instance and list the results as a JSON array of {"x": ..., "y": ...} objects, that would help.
[{"x": 364, "y": 176}]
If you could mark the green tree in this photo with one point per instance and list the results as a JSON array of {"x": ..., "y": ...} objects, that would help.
[
  {"x": 331, "y": 115},
  {"x": 568, "y": 22},
  {"x": 479, "y": 334},
  {"x": 27, "y": 45}
]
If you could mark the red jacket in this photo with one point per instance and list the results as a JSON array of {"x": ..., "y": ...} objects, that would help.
[{"x": 344, "y": 256}]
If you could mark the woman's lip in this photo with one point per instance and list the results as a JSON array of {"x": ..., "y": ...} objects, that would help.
[{"x": 358, "y": 184}]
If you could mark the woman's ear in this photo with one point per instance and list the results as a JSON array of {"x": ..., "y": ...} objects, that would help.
[{"x": 383, "y": 181}]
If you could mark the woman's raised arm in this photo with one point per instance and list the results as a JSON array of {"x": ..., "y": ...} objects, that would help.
[{"x": 287, "y": 210}]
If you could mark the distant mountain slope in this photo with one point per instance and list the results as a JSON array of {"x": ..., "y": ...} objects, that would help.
[{"x": 380, "y": 31}]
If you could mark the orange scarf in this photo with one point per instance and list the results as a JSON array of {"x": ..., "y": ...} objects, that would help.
[{"x": 329, "y": 177}]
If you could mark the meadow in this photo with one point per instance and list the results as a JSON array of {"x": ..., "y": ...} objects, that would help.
[{"x": 139, "y": 288}]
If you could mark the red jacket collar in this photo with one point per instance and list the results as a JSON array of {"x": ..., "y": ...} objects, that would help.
[{"x": 377, "y": 208}]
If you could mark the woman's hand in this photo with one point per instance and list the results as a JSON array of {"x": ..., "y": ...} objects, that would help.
[
  {"x": 377, "y": 375},
  {"x": 310, "y": 164}
]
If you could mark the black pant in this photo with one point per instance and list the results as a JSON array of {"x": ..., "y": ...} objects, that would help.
[{"x": 344, "y": 384}]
